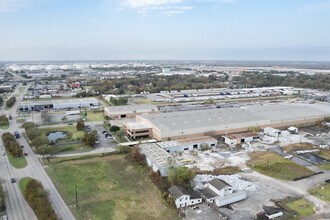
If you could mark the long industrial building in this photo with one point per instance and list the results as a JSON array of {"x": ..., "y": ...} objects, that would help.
[
  {"x": 58, "y": 104},
  {"x": 197, "y": 123}
]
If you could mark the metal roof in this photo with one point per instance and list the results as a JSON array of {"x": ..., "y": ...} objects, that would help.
[{"x": 127, "y": 109}]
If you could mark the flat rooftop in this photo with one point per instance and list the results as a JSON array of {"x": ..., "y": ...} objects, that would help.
[
  {"x": 56, "y": 100},
  {"x": 199, "y": 121},
  {"x": 137, "y": 125},
  {"x": 241, "y": 135},
  {"x": 127, "y": 109}
]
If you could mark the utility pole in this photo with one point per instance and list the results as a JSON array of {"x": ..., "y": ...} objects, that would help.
[{"x": 76, "y": 195}]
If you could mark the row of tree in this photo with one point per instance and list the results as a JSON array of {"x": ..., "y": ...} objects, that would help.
[
  {"x": 37, "y": 197},
  {"x": 2, "y": 198},
  {"x": 10, "y": 102},
  {"x": 12, "y": 146}
]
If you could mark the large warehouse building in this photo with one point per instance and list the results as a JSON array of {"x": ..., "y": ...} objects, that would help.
[
  {"x": 58, "y": 104},
  {"x": 197, "y": 123},
  {"x": 129, "y": 111}
]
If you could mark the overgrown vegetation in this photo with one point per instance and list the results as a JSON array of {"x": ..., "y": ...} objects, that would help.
[
  {"x": 12, "y": 145},
  {"x": 181, "y": 176},
  {"x": 4, "y": 122},
  {"x": 273, "y": 165},
  {"x": 110, "y": 187},
  {"x": 2, "y": 198},
  {"x": 37, "y": 197},
  {"x": 10, "y": 102},
  {"x": 35, "y": 134},
  {"x": 322, "y": 192},
  {"x": 119, "y": 101}
]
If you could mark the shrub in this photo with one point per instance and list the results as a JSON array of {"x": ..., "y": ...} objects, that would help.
[
  {"x": 11, "y": 144},
  {"x": 114, "y": 128},
  {"x": 4, "y": 120},
  {"x": 10, "y": 102},
  {"x": 124, "y": 149},
  {"x": 205, "y": 147},
  {"x": 37, "y": 197},
  {"x": 80, "y": 125},
  {"x": 181, "y": 176}
]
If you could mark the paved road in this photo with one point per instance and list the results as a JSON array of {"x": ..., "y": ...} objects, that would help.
[{"x": 17, "y": 207}]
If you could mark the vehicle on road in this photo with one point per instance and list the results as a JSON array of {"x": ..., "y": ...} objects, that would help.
[
  {"x": 70, "y": 124},
  {"x": 22, "y": 146},
  {"x": 3, "y": 153},
  {"x": 25, "y": 154},
  {"x": 16, "y": 134},
  {"x": 13, "y": 180},
  {"x": 10, "y": 117}
]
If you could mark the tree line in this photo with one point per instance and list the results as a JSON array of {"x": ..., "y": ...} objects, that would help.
[
  {"x": 10, "y": 102},
  {"x": 12, "y": 146},
  {"x": 37, "y": 197}
]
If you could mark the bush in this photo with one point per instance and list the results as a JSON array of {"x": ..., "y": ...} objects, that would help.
[
  {"x": 4, "y": 120},
  {"x": 12, "y": 145},
  {"x": 80, "y": 125},
  {"x": 114, "y": 128},
  {"x": 10, "y": 102},
  {"x": 37, "y": 197},
  {"x": 137, "y": 157},
  {"x": 205, "y": 147},
  {"x": 124, "y": 149},
  {"x": 181, "y": 176}
]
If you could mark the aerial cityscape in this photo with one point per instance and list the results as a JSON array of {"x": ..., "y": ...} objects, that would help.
[{"x": 164, "y": 109}]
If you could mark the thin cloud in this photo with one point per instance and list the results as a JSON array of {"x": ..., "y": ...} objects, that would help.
[{"x": 7, "y": 6}]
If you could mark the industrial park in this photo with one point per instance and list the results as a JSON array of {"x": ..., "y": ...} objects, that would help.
[{"x": 234, "y": 147}]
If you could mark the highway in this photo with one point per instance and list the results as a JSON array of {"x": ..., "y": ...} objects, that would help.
[{"x": 17, "y": 207}]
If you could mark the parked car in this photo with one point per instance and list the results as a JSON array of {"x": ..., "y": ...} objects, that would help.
[
  {"x": 105, "y": 132},
  {"x": 108, "y": 136},
  {"x": 97, "y": 142},
  {"x": 22, "y": 146},
  {"x": 3, "y": 153},
  {"x": 70, "y": 124},
  {"x": 13, "y": 180},
  {"x": 25, "y": 154}
]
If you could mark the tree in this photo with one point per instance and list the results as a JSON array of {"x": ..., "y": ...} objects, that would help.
[
  {"x": 80, "y": 125},
  {"x": 205, "y": 147},
  {"x": 181, "y": 176},
  {"x": 114, "y": 128},
  {"x": 90, "y": 139},
  {"x": 10, "y": 102},
  {"x": 64, "y": 118},
  {"x": 120, "y": 134}
]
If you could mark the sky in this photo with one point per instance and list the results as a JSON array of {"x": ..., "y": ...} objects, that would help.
[{"x": 165, "y": 30}]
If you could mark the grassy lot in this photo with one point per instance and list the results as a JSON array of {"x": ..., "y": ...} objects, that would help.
[
  {"x": 7, "y": 108},
  {"x": 325, "y": 154},
  {"x": 301, "y": 206},
  {"x": 273, "y": 165},
  {"x": 298, "y": 146},
  {"x": 20, "y": 120},
  {"x": 74, "y": 134},
  {"x": 18, "y": 163},
  {"x": 147, "y": 101},
  {"x": 4, "y": 127},
  {"x": 72, "y": 148},
  {"x": 322, "y": 192},
  {"x": 325, "y": 166},
  {"x": 21, "y": 89},
  {"x": 109, "y": 187},
  {"x": 93, "y": 116},
  {"x": 23, "y": 182}
]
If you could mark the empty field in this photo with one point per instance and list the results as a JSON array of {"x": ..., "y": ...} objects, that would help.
[
  {"x": 273, "y": 165},
  {"x": 93, "y": 116},
  {"x": 109, "y": 187}
]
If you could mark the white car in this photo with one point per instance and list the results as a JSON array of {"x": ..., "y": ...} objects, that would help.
[
  {"x": 3, "y": 153},
  {"x": 97, "y": 142}
]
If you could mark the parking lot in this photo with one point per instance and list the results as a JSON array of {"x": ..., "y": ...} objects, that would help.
[{"x": 104, "y": 142}]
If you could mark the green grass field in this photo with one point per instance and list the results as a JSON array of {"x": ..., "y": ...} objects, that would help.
[
  {"x": 21, "y": 89},
  {"x": 322, "y": 192},
  {"x": 93, "y": 116},
  {"x": 72, "y": 148},
  {"x": 303, "y": 208},
  {"x": 72, "y": 129},
  {"x": 109, "y": 187},
  {"x": 7, "y": 108},
  {"x": 22, "y": 183},
  {"x": 18, "y": 163},
  {"x": 273, "y": 165},
  {"x": 4, "y": 127}
]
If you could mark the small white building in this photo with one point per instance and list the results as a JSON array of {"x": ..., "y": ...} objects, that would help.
[
  {"x": 187, "y": 144},
  {"x": 240, "y": 138},
  {"x": 183, "y": 197},
  {"x": 221, "y": 193},
  {"x": 272, "y": 132},
  {"x": 293, "y": 130}
]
